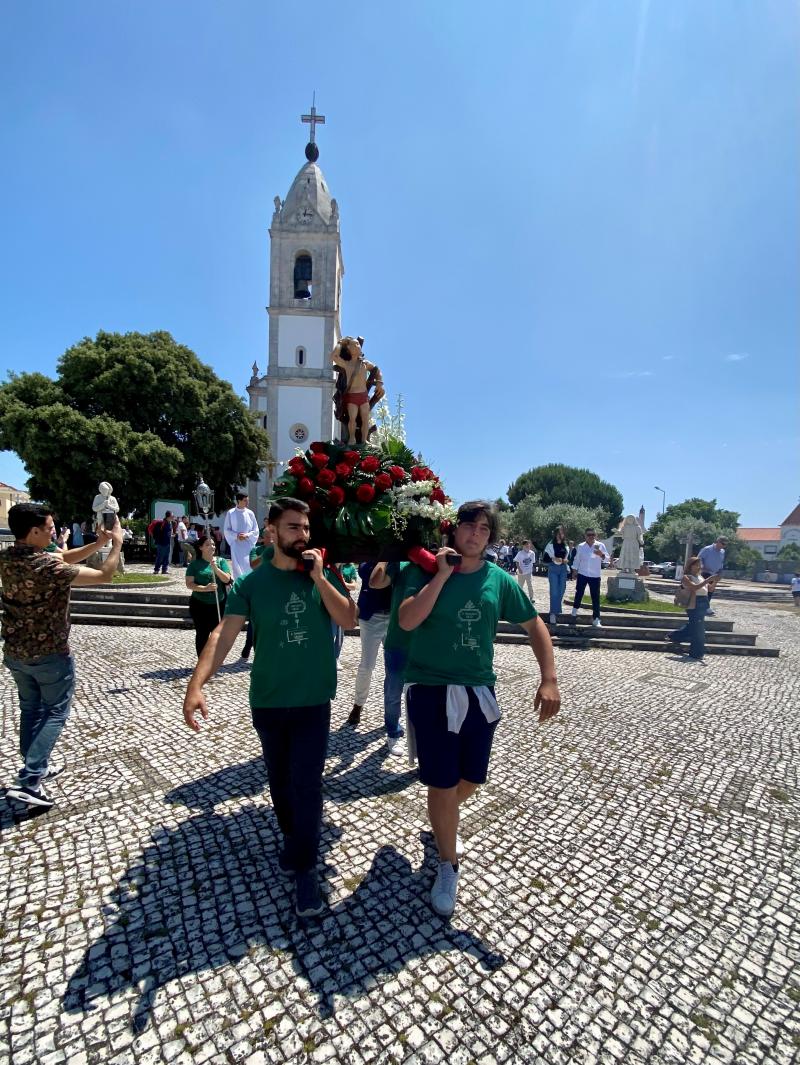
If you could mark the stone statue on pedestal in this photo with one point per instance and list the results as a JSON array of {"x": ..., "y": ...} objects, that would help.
[
  {"x": 104, "y": 503},
  {"x": 631, "y": 555}
]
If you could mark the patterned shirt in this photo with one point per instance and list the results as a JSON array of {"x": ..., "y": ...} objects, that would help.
[{"x": 35, "y": 602}]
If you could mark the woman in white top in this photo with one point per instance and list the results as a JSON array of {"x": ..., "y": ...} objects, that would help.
[{"x": 695, "y": 628}]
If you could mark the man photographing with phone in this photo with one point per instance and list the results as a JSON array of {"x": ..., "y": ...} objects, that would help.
[
  {"x": 589, "y": 558},
  {"x": 290, "y": 600},
  {"x": 36, "y": 587}
]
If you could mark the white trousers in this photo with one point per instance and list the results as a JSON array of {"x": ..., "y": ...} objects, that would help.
[
  {"x": 373, "y": 631},
  {"x": 526, "y": 580}
]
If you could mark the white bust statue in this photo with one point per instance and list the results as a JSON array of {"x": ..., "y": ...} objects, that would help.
[
  {"x": 631, "y": 554},
  {"x": 104, "y": 502}
]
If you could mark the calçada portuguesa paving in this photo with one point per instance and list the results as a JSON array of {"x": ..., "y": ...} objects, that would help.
[{"x": 629, "y": 891}]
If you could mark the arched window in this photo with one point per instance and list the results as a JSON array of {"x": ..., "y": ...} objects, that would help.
[
  {"x": 300, "y": 356},
  {"x": 302, "y": 276}
]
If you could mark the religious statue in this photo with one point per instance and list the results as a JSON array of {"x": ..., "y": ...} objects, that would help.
[
  {"x": 104, "y": 503},
  {"x": 356, "y": 379},
  {"x": 631, "y": 555}
]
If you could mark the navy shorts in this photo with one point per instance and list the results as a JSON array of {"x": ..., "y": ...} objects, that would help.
[{"x": 446, "y": 757}]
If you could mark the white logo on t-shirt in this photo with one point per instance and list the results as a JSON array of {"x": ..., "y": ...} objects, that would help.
[
  {"x": 294, "y": 608},
  {"x": 467, "y": 616}
]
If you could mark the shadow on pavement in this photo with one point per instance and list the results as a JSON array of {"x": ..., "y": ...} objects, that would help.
[{"x": 207, "y": 893}]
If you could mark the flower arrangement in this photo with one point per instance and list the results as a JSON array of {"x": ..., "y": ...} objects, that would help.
[{"x": 364, "y": 499}]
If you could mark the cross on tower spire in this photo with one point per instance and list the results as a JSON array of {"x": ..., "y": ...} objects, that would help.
[{"x": 313, "y": 119}]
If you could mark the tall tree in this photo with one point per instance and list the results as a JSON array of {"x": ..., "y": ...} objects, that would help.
[
  {"x": 702, "y": 517},
  {"x": 532, "y": 521},
  {"x": 556, "y": 483},
  {"x": 139, "y": 410}
]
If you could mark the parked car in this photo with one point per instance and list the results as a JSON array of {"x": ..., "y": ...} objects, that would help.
[{"x": 662, "y": 569}]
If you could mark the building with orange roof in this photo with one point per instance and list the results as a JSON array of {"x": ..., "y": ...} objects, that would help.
[{"x": 768, "y": 542}]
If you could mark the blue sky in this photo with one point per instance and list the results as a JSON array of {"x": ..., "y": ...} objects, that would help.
[{"x": 570, "y": 230}]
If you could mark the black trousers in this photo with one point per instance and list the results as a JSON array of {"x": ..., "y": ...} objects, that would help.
[
  {"x": 204, "y": 616},
  {"x": 294, "y": 740},
  {"x": 594, "y": 590}
]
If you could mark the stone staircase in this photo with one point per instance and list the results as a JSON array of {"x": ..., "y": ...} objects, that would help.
[{"x": 627, "y": 631}]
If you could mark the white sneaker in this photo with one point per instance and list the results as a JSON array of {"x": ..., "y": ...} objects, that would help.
[
  {"x": 553, "y": 619},
  {"x": 574, "y": 612},
  {"x": 460, "y": 848},
  {"x": 443, "y": 892},
  {"x": 596, "y": 624},
  {"x": 394, "y": 744}
]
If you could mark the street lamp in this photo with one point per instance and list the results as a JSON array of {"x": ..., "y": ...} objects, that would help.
[
  {"x": 204, "y": 498},
  {"x": 663, "y": 498}
]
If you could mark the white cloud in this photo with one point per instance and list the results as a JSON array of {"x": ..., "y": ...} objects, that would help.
[
  {"x": 737, "y": 356},
  {"x": 633, "y": 373},
  {"x": 667, "y": 358}
]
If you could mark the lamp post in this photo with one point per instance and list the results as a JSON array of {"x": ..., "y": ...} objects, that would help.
[
  {"x": 663, "y": 498},
  {"x": 204, "y": 498}
]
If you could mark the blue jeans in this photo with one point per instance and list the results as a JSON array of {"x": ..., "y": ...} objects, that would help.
[
  {"x": 695, "y": 628},
  {"x": 162, "y": 558},
  {"x": 338, "y": 639},
  {"x": 46, "y": 686},
  {"x": 394, "y": 668},
  {"x": 557, "y": 576}
]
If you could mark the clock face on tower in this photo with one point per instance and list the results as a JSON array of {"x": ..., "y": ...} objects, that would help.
[{"x": 304, "y": 216}]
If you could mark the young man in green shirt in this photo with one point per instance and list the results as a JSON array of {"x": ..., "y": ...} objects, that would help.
[
  {"x": 453, "y": 616},
  {"x": 292, "y": 682}
]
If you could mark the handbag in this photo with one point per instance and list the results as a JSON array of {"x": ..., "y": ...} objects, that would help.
[{"x": 683, "y": 596}]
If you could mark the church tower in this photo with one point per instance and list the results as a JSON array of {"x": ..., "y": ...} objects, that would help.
[{"x": 294, "y": 398}]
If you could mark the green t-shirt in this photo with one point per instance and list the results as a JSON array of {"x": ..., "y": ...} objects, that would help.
[
  {"x": 398, "y": 639},
  {"x": 294, "y": 662},
  {"x": 349, "y": 572},
  {"x": 203, "y": 575},
  {"x": 258, "y": 551},
  {"x": 455, "y": 643}
]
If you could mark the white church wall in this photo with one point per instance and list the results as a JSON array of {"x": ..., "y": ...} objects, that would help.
[
  {"x": 301, "y": 331},
  {"x": 297, "y": 406}
]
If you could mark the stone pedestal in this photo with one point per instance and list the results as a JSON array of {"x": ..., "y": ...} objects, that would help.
[{"x": 626, "y": 588}]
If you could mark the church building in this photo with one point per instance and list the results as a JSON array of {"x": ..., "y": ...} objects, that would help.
[{"x": 293, "y": 397}]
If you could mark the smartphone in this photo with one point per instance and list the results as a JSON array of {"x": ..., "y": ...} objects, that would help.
[
  {"x": 308, "y": 564},
  {"x": 453, "y": 560},
  {"x": 109, "y": 518}
]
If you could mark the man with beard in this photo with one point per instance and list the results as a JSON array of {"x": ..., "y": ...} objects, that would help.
[
  {"x": 451, "y": 705},
  {"x": 292, "y": 682}
]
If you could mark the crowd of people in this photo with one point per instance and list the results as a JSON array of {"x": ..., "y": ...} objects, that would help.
[{"x": 437, "y": 628}]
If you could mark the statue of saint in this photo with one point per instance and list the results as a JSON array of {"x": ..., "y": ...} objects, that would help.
[
  {"x": 631, "y": 554},
  {"x": 356, "y": 379},
  {"x": 104, "y": 503}
]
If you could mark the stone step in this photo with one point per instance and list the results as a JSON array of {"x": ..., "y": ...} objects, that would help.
[
  {"x": 639, "y": 620},
  {"x": 624, "y": 643},
  {"x": 132, "y": 621},
  {"x": 118, "y": 595},
  {"x": 154, "y": 610},
  {"x": 586, "y": 630}
]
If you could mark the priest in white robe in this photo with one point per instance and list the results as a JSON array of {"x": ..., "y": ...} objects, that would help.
[{"x": 241, "y": 532}]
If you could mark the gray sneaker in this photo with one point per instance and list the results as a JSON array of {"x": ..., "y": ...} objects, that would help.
[{"x": 445, "y": 886}]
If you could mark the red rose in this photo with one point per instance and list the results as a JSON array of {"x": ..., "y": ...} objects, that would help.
[
  {"x": 365, "y": 493},
  {"x": 297, "y": 465},
  {"x": 383, "y": 481},
  {"x": 319, "y": 446},
  {"x": 325, "y": 478},
  {"x": 305, "y": 486},
  {"x": 438, "y": 496},
  {"x": 336, "y": 496},
  {"x": 419, "y": 473},
  {"x": 398, "y": 473},
  {"x": 370, "y": 464},
  {"x": 351, "y": 457},
  {"x": 319, "y": 460},
  {"x": 343, "y": 470}
]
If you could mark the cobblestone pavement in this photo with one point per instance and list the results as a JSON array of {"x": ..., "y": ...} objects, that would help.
[{"x": 627, "y": 891}]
